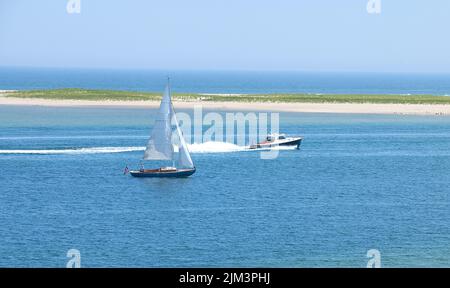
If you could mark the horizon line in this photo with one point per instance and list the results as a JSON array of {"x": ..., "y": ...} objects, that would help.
[{"x": 194, "y": 70}]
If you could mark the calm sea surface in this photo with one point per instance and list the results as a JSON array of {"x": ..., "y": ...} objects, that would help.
[{"x": 359, "y": 182}]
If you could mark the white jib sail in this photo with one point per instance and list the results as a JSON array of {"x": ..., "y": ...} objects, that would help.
[
  {"x": 184, "y": 158},
  {"x": 160, "y": 146}
]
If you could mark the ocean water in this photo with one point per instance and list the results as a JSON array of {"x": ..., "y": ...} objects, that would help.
[
  {"x": 359, "y": 182},
  {"x": 226, "y": 81}
]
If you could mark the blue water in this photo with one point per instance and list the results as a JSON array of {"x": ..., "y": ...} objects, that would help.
[
  {"x": 226, "y": 82},
  {"x": 359, "y": 182}
]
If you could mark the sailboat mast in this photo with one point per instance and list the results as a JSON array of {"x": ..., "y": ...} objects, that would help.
[
  {"x": 168, "y": 89},
  {"x": 168, "y": 86}
]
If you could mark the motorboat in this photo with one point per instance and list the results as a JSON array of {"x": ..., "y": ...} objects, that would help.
[{"x": 275, "y": 140}]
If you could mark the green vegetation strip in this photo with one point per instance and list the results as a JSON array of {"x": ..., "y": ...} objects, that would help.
[{"x": 83, "y": 94}]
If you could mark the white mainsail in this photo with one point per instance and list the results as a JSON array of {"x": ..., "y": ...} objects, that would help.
[{"x": 160, "y": 146}]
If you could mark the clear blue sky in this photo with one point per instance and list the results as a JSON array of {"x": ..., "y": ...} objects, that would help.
[{"x": 314, "y": 35}]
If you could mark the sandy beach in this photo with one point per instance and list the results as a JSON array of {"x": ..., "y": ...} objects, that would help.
[{"x": 353, "y": 108}]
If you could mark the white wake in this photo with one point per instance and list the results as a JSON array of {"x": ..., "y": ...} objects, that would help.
[
  {"x": 195, "y": 148},
  {"x": 92, "y": 150}
]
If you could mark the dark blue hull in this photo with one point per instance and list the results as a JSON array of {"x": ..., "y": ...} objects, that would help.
[
  {"x": 157, "y": 173},
  {"x": 295, "y": 143}
]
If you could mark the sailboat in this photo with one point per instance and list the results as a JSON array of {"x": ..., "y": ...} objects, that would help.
[{"x": 161, "y": 147}]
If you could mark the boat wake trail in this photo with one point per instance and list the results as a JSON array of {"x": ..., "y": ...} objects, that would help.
[
  {"x": 196, "y": 148},
  {"x": 75, "y": 151},
  {"x": 225, "y": 147}
]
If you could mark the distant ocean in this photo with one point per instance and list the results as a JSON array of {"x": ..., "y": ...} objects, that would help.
[{"x": 226, "y": 81}]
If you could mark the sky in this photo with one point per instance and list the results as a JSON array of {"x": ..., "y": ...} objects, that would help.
[{"x": 303, "y": 35}]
